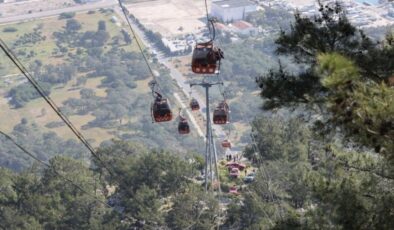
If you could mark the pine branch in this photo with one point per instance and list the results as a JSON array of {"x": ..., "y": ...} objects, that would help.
[{"x": 346, "y": 164}]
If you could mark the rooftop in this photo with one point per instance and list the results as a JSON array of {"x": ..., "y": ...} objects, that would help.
[
  {"x": 241, "y": 25},
  {"x": 233, "y": 3},
  {"x": 220, "y": 26}
]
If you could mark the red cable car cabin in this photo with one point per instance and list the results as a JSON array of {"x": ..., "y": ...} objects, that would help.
[
  {"x": 183, "y": 126},
  {"x": 194, "y": 105},
  {"x": 226, "y": 144},
  {"x": 161, "y": 110},
  {"x": 221, "y": 114},
  {"x": 205, "y": 58}
]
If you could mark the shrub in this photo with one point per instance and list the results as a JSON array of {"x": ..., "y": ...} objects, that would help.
[
  {"x": 66, "y": 15},
  {"x": 9, "y": 30}
]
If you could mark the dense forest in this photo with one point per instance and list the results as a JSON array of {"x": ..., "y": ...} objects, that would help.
[{"x": 322, "y": 143}]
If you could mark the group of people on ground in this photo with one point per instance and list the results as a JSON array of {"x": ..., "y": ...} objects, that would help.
[{"x": 233, "y": 157}]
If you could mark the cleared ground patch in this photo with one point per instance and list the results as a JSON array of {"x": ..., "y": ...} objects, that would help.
[{"x": 168, "y": 16}]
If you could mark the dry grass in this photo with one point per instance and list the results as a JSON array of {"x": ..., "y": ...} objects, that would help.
[
  {"x": 182, "y": 64},
  {"x": 94, "y": 83},
  {"x": 45, "y": 48},
  {"x": 9, "y": 117},
  {"x": 142, "y": 86}
]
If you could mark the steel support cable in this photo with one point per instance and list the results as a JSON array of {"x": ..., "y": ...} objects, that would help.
[
  {"x": 220, "y": 194},
  {"x": 222, "y": 88},
  {"x": 265, "y": 173},
  {"x": 51, "y": 103},
  {"x": 213, "y": 36},
  {"x": 254, "y": 144},
  {"x": 265, "y": 213},
  {"x": 31, "y": 155},
  {"x": 212, "y": 32},
  {"x": 24, "y": 150},
  {"x": 256, "y": 150},
  {"x": 206, "y": 11},
  {"x": 140, "y": 46},
  {"x": 125, "y": 13}
]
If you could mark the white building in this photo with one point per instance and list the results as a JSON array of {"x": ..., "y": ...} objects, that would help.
[
  {"x": 175, "y": 45},
  {"x": 229, "y": 10}
]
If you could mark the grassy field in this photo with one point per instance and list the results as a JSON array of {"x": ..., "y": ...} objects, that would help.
[
  {"x": 37, "y": 110},
  {"x": 9, "y": 117},
  {"x": 43, "y": 49}
]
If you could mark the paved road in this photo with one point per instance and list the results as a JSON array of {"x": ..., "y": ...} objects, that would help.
[
  {"x": 190, "y": 115},
  {"x": 175, "y": 74},
  {"x": 85, "y": 7},
  {"x": 180, "y": 79},
  {"x": 182, "y": 83}
]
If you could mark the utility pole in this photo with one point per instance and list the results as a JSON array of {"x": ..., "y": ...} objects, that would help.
[{"x": 210, "y": 147}]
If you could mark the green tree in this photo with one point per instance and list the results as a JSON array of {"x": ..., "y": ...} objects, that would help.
[
  {"x": 32, "y": 200},
  {"x": 102, "y": 25},
  {"x": 72, "y": 25},
  {"x": 364, "y": 109},
  {"x": 145, "y": 205},
  {"x": 329, "y": 31},
  {"x": 328, "y": 84},
  {"x": 193, "y": 210}
]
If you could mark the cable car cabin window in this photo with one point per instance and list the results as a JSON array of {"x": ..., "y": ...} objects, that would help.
[
  {"x": 194, "y": 105},
  {"x": 161, "y": 110},
  {"x": 183, "y": 126},
  {"x": 205, "y": 58}
]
